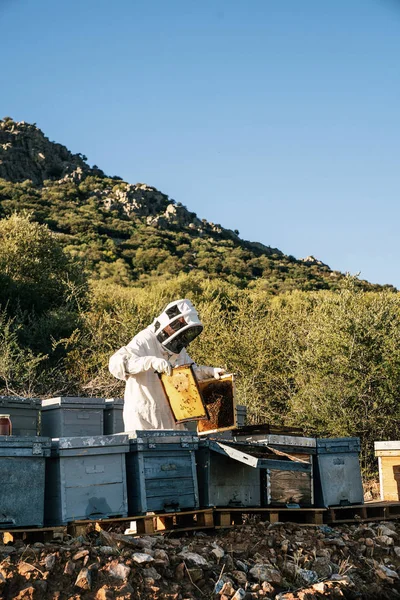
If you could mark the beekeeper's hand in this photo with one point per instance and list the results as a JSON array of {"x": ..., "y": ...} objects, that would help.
[
  {"x": 218, "y": 372},
  {"x": 161, "y": 365}
]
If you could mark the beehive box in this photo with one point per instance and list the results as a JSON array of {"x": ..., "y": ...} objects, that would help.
[
  {"x": 219, "y": 398},
  {"x": 286, "y": 487},
  {"x": 86, "y": 479},
  {"x": 22, "y": 477},
  {"x": 161, "y": 471},
  {"x": 182, "y": 391},
  {"x": 69, "y": 416},
  {"x": 113, "y": 416},
  {"x": 24, "y": 414},
  {"x": 388, "y": 454},
  {"x": 337, "y": 472},
  {"x": 236, "y": 473}
]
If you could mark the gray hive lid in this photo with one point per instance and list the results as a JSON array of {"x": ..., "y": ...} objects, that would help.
[
  {"x": 19, "y": 402},
  {"x": 334, "y": 445},
  {"x": 277, "y": 440},
  {"x": 73, "y": 402},
  {"x": 28, "y": 445},
  {"x": 151, "y": 437},
  {"x": 110, "y": 402},
  {"x": 388, "y": 445},
  {"x": 94, "y": 441}
]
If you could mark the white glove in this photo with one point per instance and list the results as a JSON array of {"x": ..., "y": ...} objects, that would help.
[
  {"x": 217, "y": 372},
  {"x": 161, "y": 365}
]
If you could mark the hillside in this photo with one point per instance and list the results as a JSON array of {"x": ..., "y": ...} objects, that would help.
[{"x": 130, "y": 233}]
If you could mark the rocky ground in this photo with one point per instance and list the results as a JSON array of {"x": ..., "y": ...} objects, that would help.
[{"x": 256, "y": 560}]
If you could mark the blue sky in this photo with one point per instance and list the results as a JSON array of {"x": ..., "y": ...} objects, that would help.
[{"x": 279, "y": 118}]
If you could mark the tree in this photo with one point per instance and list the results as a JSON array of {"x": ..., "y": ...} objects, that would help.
[{"x": 35, "y": 273}]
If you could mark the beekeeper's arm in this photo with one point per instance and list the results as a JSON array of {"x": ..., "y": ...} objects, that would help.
[
  {"x": 129, "y": 360},
  {"x": 200, "y": 371}
]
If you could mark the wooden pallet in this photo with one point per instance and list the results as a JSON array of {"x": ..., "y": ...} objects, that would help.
[
  {"x": 371, "y": 511},
  {"x": 153, "y": 523},
  {"x": 34, "y": 534},
  {"x": 228, "y": 517}
]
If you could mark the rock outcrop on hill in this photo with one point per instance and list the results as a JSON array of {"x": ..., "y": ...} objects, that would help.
[
  {"x": 130, "y": 231},
  {"x": 26, "y": 153}
]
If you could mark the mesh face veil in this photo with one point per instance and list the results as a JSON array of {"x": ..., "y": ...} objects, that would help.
[{"x": 177, "y": 326}]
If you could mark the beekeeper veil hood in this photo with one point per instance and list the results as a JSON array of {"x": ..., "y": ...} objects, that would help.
[{"x": 177, "y": 326}]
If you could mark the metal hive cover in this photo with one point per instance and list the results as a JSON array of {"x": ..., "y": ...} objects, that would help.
[
  {"x": 73, "y": 402},
  {"x": 18, "y": 402}
]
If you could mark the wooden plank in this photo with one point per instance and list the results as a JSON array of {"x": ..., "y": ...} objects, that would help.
[
  {"x": 145, "y": 526},
  {"x": 225, "y": 519},
  {"x": 274, "y": 517},
  {"x": 205, "y": 519},
  {"x": 164, "y": 523}
]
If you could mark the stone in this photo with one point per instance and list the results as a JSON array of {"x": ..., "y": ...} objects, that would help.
[
  {"x": 344, "y": 579},
  {"x": 180, "y": 572},
  {"x": 383, "y": 530},
  {"x": 142, "y": 558},
  {"x": 306, "y": 576},
  {"x": 80, "y": 554},
  {"x": 227, "y": 589},
  {"x": 242, "y": 565},
  {"x": 41, "y": 587},
  {"x": 396, "y": 550},
  {"x": 69, "y": 568},
  {"x": 267, "y": 588},
  {"x": 27, "y": 593},
  {"x": 6, "y": 550},
  {"x": 218, "y": 553},
  {"x": 239, "y": 594},
  {"x": 161, "y": 555},
  {"x": 84, "y": 579},
  {"x": 240, "y": 577},
  {"x": 385, "y": 540},
  {"x": 104, "y": 594},
  {"x": 125, "y": 592},
  {"x": 386, "y": 573},
  {"x": 193, "y": 559},
  {"x": 25, "y": 567},
  {"x": 195, "y": 574},
  {"x": 266, "y": 573},
  {"x": 321, "y": 565},
  {"x": 151, "y": 572},
  {"x": 319, "y": 587},
  {"x": 119, "y": 570},
  {"x": 49, "y": 561},
  {"x": 108, "y": 551}
]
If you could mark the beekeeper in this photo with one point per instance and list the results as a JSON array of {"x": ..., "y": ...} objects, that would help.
[{"x": 156, "y": 349}]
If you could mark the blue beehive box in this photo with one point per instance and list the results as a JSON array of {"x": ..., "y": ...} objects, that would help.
[
  {"x": 161, "y": 471},
  {"x": 24, "y": 414},
  {"x": 237, "y": 473},
  {"x": 337, "y": 472},
  {"x": 86, "y": 479},
  {"x": 68, "y": 416},
  {"x": 22, "y": 480},
  {"x": 113, "y": 416},
  {"x": 286, "y": 487}
]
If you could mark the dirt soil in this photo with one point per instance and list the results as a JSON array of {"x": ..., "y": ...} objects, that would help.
[{"x": 281, "y": 561}]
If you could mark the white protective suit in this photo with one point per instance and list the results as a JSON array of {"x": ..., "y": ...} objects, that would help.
[{"x": 146, "y": 406}]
